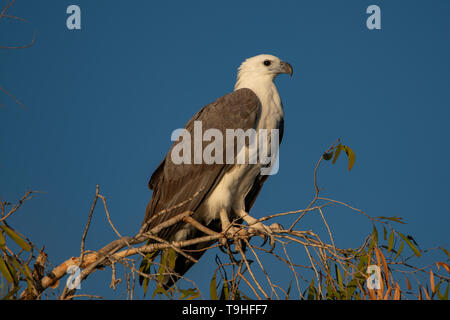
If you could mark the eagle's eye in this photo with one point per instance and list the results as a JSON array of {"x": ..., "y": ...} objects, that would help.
[{"x": 267, "y": 63}]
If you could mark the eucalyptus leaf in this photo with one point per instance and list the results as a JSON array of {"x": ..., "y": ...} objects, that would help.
[
  {"x": 399, "y": 250},
  {"x": 410, "y": 244},
  {"x": 337, "y": 152},
  {"x": 351, "y": 157},
  {"x": 16, "y": 238},
  {"x": 5, "y": 271},
  {"x": 213, "y": 288},
  {"x": 391, "y": 241}
]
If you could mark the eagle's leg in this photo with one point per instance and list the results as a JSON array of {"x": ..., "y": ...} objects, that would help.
[
  {"x": 260, "y": 228},
  {"x": 227, "y": 229}
]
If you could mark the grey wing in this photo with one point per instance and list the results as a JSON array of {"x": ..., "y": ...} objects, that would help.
[{"x": 181, "y": 187}]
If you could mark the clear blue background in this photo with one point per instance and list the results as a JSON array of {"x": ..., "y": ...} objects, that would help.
[{"x": 103, "y": 101}]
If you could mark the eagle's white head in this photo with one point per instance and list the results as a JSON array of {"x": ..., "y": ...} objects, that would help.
[{"x": 261, "y": 70}]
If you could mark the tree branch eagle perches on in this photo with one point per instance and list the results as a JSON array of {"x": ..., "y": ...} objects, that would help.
[{"x": 332, "y": 272}]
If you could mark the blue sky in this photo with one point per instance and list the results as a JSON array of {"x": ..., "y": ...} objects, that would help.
[{"x": 103, "y": 101}]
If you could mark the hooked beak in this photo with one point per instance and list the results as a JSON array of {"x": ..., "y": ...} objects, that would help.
[{"x": 286, "y": 68}]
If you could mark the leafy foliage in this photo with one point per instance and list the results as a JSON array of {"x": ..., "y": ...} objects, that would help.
[
  {"x": 15, "y": 272},
  {"x": 333, "y": 273}
]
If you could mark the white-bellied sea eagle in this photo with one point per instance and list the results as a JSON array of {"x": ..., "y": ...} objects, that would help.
[{"x": 218, "y": 193}]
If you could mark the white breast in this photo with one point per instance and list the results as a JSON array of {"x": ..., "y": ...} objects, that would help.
[{"x": 231, "y": 191}]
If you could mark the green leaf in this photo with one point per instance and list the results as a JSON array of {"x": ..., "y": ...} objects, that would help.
[
  {"x": 410, "y": 244},
  {"x": 147, "y": 262},
  {"x": 337, "y": 152},
  {"x": 23, "y": 268},
  {"x": 162, "y": 265},
  {"x": 5, "y": 270},
  {"x": 311, "y": 291},
  {"x": 145, "y": 285},
  {"x": 395, "y": 219},
  {"x": 161, "y": 274},
  {"x": 351, "y": 157},
  {"x": 189, "y": 294},
  {"x": 348, "y": 151},
  {"x": 213, "y": 288},
  {"x": 2, "y": 240},
  {"x": 339, "y": 278},
  {"x": 445, "y": 251},
  {"x": 351, "y": 288},
  {"x": 28, "y": 275},
  {"x": 331, "y": 291},
  {"x": 391, "y": 241},
  {"x": 288, "y": 291},
  {"x": 171, "y": 257},
  {"x": 194, "y": 296},
  {"x": 16, "y": 238},
  {"x": 11, "y": 269},
  {"x": 384, "y": 234},
  {"x": 27, "y": 271},
  {"x": 362, "y": 264},
  {"x": 399, "y": 250},
  {"x": 225, "y": 294},
  {"x": 18, "y": 266},
  {"x": 375, "y": 236},
  {"x": 11, "y": 293}
]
